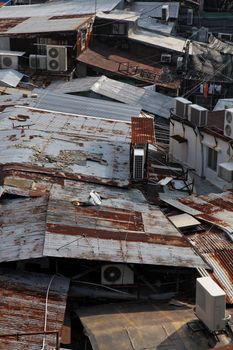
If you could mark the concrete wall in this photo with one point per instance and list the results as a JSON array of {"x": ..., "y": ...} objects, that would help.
[{"x": 194, "y": 153}]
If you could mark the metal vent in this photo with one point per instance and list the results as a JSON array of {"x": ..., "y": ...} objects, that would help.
[{"x": 7, "y": 61}]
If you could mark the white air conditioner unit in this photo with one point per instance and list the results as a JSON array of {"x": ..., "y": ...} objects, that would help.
[
  {"x": 179, "y": 63},
  {"x": 9, "y": 62},
  {"x": 197, "y": 115},
  {"x": 38, "y": 61},
  {"x": 56, "y": 58},
  {"x": 210, "y": 304},
  {"x": 190, "y": 17},
  {"x": 181, "y": 107},
  {"x": 225, "y": 36},
  {"x": 166, "y": 58},
  {"x": 225, "y": 171},
  {"x": 138, "y": 163},
  {"x": 116, "y": 274},
  {"x": 228, "y": 123},
  {"x": 165, "y": 13}
]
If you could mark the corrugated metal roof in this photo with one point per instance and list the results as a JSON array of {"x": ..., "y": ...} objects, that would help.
[
  {"x": 76, "y": 147},
  {"x": 23, "y": 299},
  {"x": 130, "y": 326},
  {"x": 10, "y": 77},
  {"x": 58, "y": 8},
  {"x": 152, "y": 38},
  {"x": 215, "y": 246},
  {"x": 148, "y": 100},
  {"x": 47, "y": 24},
  {"x": 123, "y": 228},
  {"x": 143, "y": 131},
  {"x": 22, "y": 224},
  {"x": 216, "y": 208},
  {"x": 217, "y": 250},
  {"x": 84, "y": 106},
  {"x": 128, "y": 16}
]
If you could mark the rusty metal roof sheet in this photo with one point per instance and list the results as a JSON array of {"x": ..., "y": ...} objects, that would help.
[
  {"x": 216, "y": 208},
  {"x": 143, "y": 131},
  {"x": 22, "y": 223},
  {"x": 142, "y": 326},
  {"x": 23, "y": 302},
  {"x": 217, "y": 249},
  {"x": 77, "y": 147},
  {"x": 124, "y": 228}
]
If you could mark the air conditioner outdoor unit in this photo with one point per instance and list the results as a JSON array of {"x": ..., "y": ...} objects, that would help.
[
  {"x": 190, "y": 17},
  {"x": 9, "y": 62},
  {"x": 165, "y": 13},
  {"x": 166, "y": 58},
  {"x": 197, "y": 115},
  {"x": 228, "y": 123},
  {"x": 138, "y": 163},
  {"x": 179, "y": 63},
  {"x": 225, "y": 171},
  {"x": 225, "y": 36},
  {"x": 56, "y": 58},
  {"x": 210, "y": 304},
  {"x": 181, "y": 107},
  {"x": 38, "y": 61},
  {"x": 116, "y": 274}
]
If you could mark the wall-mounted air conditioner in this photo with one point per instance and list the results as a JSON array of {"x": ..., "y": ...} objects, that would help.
[
  {"x": 116, "y": 274},
  {"x": 179, "y": 63},
  {"x": 197, "y": 115},
  {"x": 228, "y": 123},
  {"x": 38, "y": 61},
  {"x": 9, "y": 62},
  {"x": 190, "y": 17},
  {"x": 165, "y": 13},
  {"x": 210, "y": 304},
  {"x": 138, "y": 163},
  {"x": 166, "y": 58},
  {"x": 225, "y": 36},
  {"x": 225, "y": 171},
  {"x": 56, "y": 58},
  {"x": 181, "y": 107}
]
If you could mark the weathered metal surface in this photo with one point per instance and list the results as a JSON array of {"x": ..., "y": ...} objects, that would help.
[
  {"x": 47, "y": 25},
  {"x": 150, "y": 101},
  {"x": 76, "y": 147},
  {"x": 130, "y": 326},
  {"x": 217, "y": 249},
  {"x": 22, "y": 223},
  {"x": 143, "y": 131},
  {"x": 8, "y": 23},
  {"x": 10, "y": 77},
  {"x": 216, "y": 208},
  {"x": 124, "y": 228},
  {"x": 58, "y": 8},
  {"x": 23, "y": 304}
]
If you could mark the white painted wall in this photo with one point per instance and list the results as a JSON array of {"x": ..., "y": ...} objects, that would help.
[{"x": 194, "y": 153}]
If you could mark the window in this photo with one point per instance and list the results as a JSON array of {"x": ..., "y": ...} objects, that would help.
[{"x": 212, "y": 159}]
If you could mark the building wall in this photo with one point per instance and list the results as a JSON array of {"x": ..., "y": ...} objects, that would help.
[{"x": 194, "y": 153}]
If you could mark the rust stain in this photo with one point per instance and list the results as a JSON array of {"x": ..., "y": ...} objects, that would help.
[
  {"x": 8, "y": 23},
  {"x": 143, "y": 131},
  {"x": 118, "y": 235}
]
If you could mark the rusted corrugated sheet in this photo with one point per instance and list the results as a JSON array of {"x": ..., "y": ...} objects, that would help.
[
  {"x": 143, "y": 131},
  {"x": 214, "y": 245},
  {"x": 8, "y": 23},
  {"x": 23, "y": 304},
  {"x": 124, "y": 228},
  {"x": 131, "y": 326},
  {"x": 63, "y": 145},
  {"x": 217, "y": 249},
  {"x": 22, "y": 223}
]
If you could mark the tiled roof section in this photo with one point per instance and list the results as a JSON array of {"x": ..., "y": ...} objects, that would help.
[{"x": 143, "y": 131}]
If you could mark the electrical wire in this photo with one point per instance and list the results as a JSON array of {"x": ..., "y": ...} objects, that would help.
[{"x": 46, "y": 311}]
